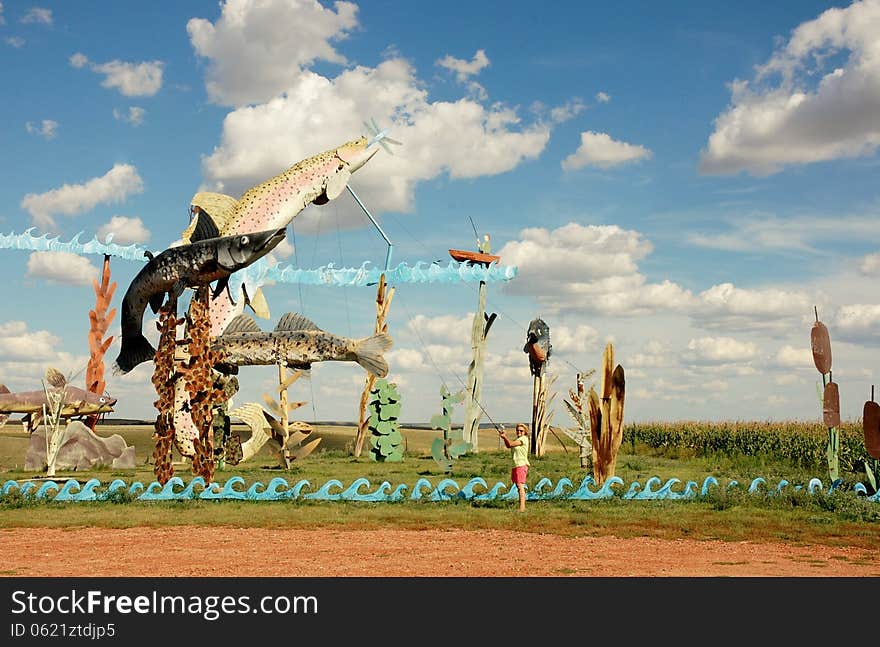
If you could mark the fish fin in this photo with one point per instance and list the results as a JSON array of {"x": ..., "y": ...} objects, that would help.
[
  {"x": 156, "y": 301},
  {"x": 257, "y": 302},
  {"x": 176, "y": 290},
  {"x": 218, "y": 205},
  {"x": 241, "y": 323},
  {"x": 295, "y": 321},
  {"x": 148, "y": 255},
  {"x": 55, "y": 377},
  {"x": 134, "y": 350},
  {"x": 222, "y": 284},
  {"x": 4, "y": 389},
  {"x": 336, "y": 183},
  {"x": 369, "y": 353},
  {"x": 321, "y": 199},
  {"x": 205, "y": 228}
]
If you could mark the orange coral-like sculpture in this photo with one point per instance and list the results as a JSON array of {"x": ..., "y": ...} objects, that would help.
[{"x": 99, "y": 320}]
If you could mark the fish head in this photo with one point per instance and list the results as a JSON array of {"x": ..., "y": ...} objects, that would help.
[
  {"x": 339, "y": 164},
  {"x": 538, "y": 330},
  {"x": 239, "y": 251},
  {"x": 89, "y": 403}
]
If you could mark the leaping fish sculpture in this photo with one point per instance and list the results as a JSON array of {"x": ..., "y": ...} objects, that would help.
[
  {"x": 297, "y": 343},
  {"x": 193, "y": 265},
  {"x": 273, "y": 204}
]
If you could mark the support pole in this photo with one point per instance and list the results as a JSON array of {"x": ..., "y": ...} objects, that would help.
[{"x": 473, "y": 394}]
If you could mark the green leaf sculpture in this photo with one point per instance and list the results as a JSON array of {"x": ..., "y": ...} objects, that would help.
[
  {"x": 386, "y": 441},
  {"x": 452, "y": 445}
]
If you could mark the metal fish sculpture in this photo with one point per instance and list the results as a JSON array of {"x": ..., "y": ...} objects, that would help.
[
  {"x": 538, "y": 345},
  {"x": 297, "y": 343},
  {"x": 192, "y": 265},
  {"x": 273, "y": 204},
  {"x": 76, "y": 402}
]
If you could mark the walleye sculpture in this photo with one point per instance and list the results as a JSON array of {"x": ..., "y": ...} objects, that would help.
[
  {"x": 296, "y": 343},
  {"x": 193, "y": 265},
  {"x": 76, "y": 402}
]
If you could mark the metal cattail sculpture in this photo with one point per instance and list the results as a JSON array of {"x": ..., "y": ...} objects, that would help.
[
  {"x": 820, "y": 343},
  {"x": 606, "y": 417},
  {"x": 871, "y": 428}
]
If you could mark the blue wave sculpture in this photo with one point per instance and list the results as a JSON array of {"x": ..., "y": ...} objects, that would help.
[
  {"x": 29, "y": 241},
  {"x": 476, "y": 489}
]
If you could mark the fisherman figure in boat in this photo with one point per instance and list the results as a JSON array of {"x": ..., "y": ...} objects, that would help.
[{"x": 484, "y": 246}]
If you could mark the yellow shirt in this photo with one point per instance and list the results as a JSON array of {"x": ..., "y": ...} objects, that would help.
[{"x": 521, "y": 452}]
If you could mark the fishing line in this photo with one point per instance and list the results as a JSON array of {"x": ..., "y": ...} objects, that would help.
[
  {"x": 342, "y": 264},
  {"x": 302, "y": 310},
  {"x": 440, "y": 375}
]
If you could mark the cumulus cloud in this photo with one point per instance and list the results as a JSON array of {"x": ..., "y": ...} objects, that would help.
[
  {"x": 857, "y": 323},
  {"x": 442, "y": 329},
  {"x": 406, "y": 359},
  {"x": 61, "y": 267},
  {"x": 600, "y": 150},
  {"x": 603, "y": 97},
  {"x": 258, "y": 58},
  {"x": 579, "y": 339},
  {"x": 134, "y": 116},
  {"x": 720, "y": 350},
  {"x": 37, "y": 15},
  {"x": 588, "y": 268},
  {"x": 795, "y": 357},
  {"x": 869, "y": 265},
  {"x": 46, "y": 128},
  {"x": 725, "y": 306},
  {"x": 125, "y": 230},
  {"x": 116, "y": 185},
  {"x": 14, "y": 41},
  {"x": 566, "y": 111},
  {"x": 256, "y": 51},
  {"x": 796, "y": 110},
  {"x": 130, "y": 79},
  {"x": 18, "y": 343},
  {"x": 464, "y": 70}
]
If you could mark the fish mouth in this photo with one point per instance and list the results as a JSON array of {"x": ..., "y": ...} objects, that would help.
[
  {"x": 271, "y": 240},
  {"x": 357, "y": 159}
]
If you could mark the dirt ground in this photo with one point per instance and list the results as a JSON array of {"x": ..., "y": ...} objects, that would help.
[{"x": 183, "y": 551}]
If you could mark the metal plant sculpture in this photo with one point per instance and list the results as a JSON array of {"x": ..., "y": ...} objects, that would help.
[
  {"x": 452, "y": 445},
  {"x": 579, "y": 412},
  {"x": 164, "y": 374},
  {"x": 283, "y": 433},
  {"x": 820, "y": 343},
  {"x": 99, "y": 320},
  {"x": 871, "y": 428},
  {"x": 386, "y": 441},
  {"x": 606, "y": 417}
]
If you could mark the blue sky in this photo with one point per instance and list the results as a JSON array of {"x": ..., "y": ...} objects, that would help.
[{"x": 685, "y": 180}]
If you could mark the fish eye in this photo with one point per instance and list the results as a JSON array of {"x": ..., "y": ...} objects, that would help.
[{"x": 244, "y": 240}]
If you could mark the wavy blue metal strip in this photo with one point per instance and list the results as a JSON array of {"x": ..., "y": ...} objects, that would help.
[{"x": 476, "y": 489}]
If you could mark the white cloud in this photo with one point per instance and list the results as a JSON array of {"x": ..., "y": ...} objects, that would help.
[
  {"x": 465, "y": 69},
  {"x": 131, "y": 79},
  {"x": 857, "y": 323},
  {"x": 443, "y": 329},
  {"x": 463, "y": 138},
  {"x": 795, "y": 357},
  {"x": 2, "y": 18},
  {"x": 720, "y": 350},
  {"x": 581, "y": 338},
  {"x": 116, "y": 185},
  {"x": 61, "y": 267},
  {"x": 256, "y": 51},
  {"x": 17, "y": 343},
  {"x": 727, "y": 306},
  {"x": 15, "y": 41},
  {"x": 795, "y": 110},
  {"x": 134, "y": 116},
  {"x": 588, "y": 268},
  {"x": 282, "y": 250},
  {"x": 766, "y": 231},
  {"x": 406, "y": 359},
  {"x": 566, "y": 111},
  {"x": 603, "y": 97},
  {"x": 125, "y": 230},
  {"x": 869, "y": 265},
  {"x": 46, "y": 128},
  {"x": 38, "y": 15},
  {"x": 598, "y": 149}
]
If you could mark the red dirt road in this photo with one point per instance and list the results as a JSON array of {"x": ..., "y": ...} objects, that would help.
[{"x": 218, "y": 552}]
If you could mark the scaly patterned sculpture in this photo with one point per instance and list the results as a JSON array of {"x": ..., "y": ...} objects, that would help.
[{"x": 164, "y": 374}]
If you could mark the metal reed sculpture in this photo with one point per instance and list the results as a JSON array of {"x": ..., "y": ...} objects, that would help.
[{"x": 606, "y": 417}]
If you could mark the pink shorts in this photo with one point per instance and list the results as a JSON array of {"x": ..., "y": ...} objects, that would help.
[{"x": 518, "y": 474}]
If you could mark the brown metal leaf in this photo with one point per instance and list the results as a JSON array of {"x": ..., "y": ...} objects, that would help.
[
  {"x": 871, "y": 427},
  {"x": 831, "y": 405},
  {"x": 305, "y": 450},
  {"x": 820, "y": 343},
  {"x": 607, "y": 370}
]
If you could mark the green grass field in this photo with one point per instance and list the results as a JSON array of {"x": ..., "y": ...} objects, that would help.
[{"x": 835, "y": 518}]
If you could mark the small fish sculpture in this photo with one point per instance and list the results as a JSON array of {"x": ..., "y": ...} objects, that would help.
[
  {"x": 297, "y": 343},
  {"x": 76, "y": 402},
  {"x": 192, "y": 265}
]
